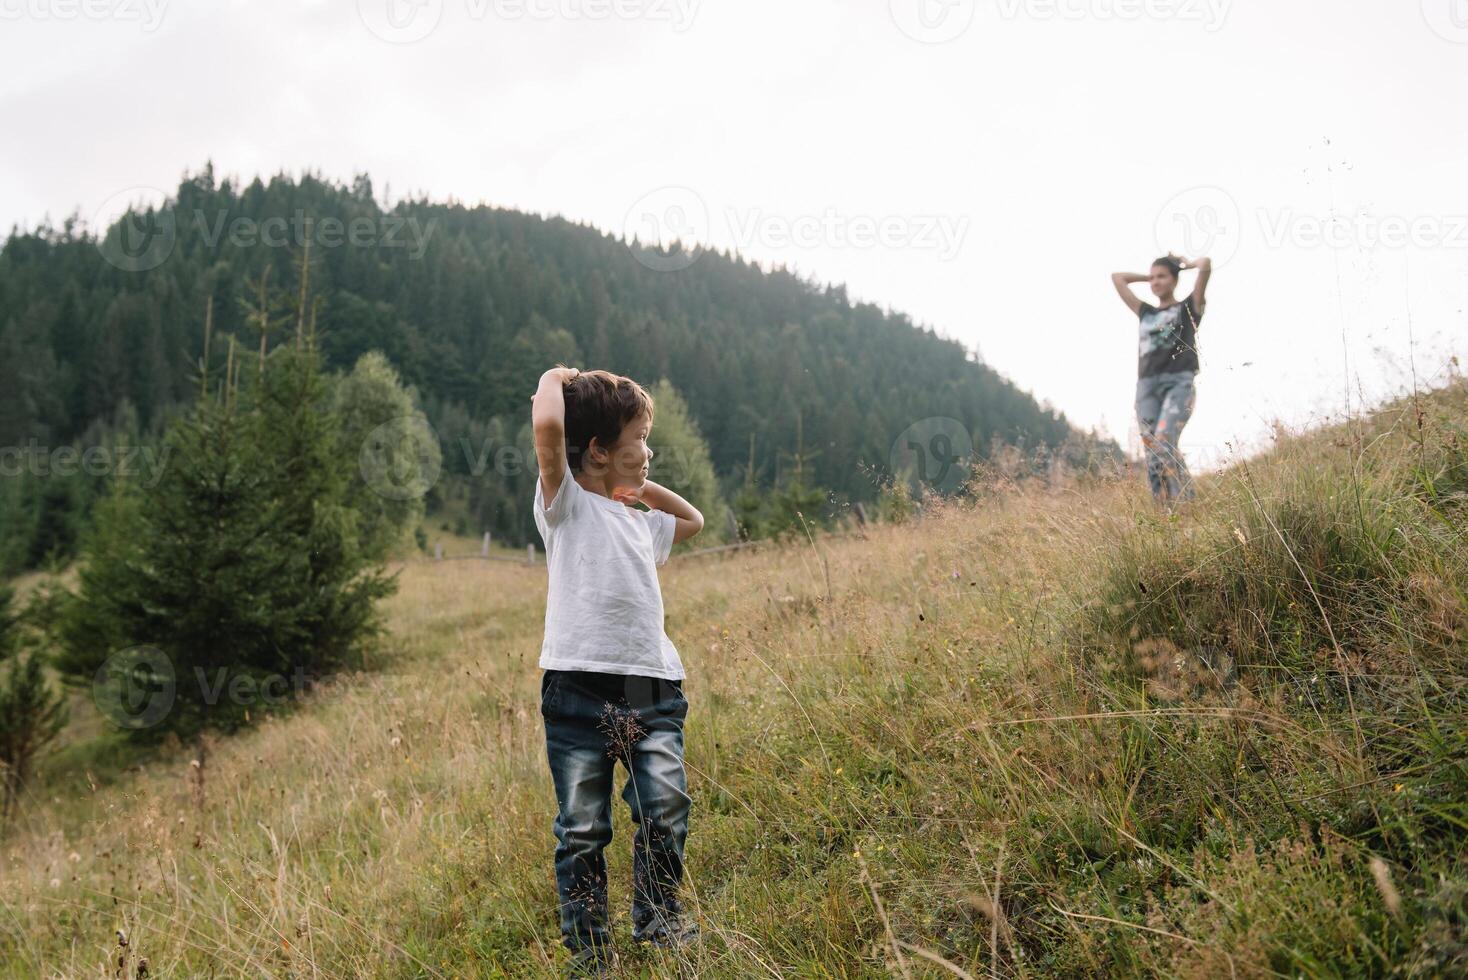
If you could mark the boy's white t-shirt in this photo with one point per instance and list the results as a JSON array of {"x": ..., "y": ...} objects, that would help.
[{"x": 604, "y": 607}]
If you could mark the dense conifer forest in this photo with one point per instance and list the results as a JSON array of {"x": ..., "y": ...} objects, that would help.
[{"x": 103, "y": 331}]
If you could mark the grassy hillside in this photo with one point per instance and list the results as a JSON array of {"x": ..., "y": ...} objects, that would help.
[{"x": 1040, "y": 732}]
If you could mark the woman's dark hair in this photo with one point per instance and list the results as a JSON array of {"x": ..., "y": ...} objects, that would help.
[{"x": 1170, "y": 264}]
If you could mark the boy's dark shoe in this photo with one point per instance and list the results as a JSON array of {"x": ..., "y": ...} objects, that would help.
[
  {"x": 592, "y": 961},
  {"x": 667, "y": 931}
]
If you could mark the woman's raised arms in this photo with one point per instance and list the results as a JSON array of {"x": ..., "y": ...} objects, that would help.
[
  {"x": 1204, "y": 265},
  {"x": 1123, "y": 283}
]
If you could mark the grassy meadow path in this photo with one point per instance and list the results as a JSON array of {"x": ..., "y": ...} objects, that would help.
[{"x": 1049, "y": 731}]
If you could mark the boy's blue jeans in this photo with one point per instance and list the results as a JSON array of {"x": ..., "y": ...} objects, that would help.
[
  {"x": 1164, "y": 405},
  {"x": 592, "y": 720}
]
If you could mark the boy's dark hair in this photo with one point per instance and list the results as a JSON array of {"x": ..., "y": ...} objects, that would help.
[
  {"x": 599, "y": 404},
  {"x": 1170, "y": 264}
]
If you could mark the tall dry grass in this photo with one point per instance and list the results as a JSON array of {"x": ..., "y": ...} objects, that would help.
[{"x": 1047, "y": 731}]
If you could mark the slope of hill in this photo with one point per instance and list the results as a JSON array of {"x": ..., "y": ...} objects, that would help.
[
  {"x": 1039, "y": 732},
  {"x": 471, "y": 304}
]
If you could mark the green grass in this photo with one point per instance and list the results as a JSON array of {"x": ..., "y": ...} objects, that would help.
[{"x": 1046, "y": 732}]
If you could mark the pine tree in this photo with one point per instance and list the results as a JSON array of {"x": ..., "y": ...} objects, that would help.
[
  {"x": 191, "y": 571},
  {"x": 15, "y": 518},
  {"x": 330, "y": 582},
  {"x": 796, "y": 506},
  {"x": 750, "y": 503},
  {"x": 31, "y": 713},
  {"x": 240, "y": 574},
  {"x": 53, "y": 533}
]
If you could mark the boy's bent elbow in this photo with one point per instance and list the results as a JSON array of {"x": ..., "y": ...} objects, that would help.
[{"x": 688, "y": 526}]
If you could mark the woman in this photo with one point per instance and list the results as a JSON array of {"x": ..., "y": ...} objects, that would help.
[{"x": 1166, "y": 367}]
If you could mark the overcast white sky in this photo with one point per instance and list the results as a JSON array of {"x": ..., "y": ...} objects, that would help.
[{"x": 1011, "y": 153}]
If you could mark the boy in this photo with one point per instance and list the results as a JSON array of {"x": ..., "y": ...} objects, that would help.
[{"x": 612, "y": 686}]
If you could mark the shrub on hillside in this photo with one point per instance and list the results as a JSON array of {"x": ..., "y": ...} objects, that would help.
[
  {"x": 31, "y": 713},
  {"x": 240, "y": 575},
  {"x": 1341, "y": 563},
  {"x": 392, "y": 445},
  {"x": 1317, "y": 598}
]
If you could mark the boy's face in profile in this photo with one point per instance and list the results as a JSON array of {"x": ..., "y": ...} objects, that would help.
[{"x": 626, "y": 461}]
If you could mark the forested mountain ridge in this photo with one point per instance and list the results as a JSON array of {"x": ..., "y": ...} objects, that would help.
[{"x": 470, "y": 305}]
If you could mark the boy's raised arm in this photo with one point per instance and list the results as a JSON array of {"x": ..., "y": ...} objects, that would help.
[
  {"x": 658, "y": 497},
  {"x": 548, "y": 420}
]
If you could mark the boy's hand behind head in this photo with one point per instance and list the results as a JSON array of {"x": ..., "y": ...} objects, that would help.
[{"x": 562, "y": 374}]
